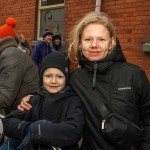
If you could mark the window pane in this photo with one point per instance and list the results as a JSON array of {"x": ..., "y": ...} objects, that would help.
[
  {"x": 53, "y": 20},
  {"x": 51, "y": 2}
]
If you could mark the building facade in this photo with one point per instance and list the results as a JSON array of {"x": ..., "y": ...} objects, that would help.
[{"x": 131, "y": 19}]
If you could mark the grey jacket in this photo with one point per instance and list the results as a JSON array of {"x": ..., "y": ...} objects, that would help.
[{"x": 18, "y": 75}]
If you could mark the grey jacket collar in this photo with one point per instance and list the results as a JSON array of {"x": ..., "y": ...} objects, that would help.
[{"x": 7, "y": 42}]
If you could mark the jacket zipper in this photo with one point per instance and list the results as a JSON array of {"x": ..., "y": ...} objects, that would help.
[
  {"x": 109, "y": 91},
  {"x": 94, "y": 76},
  {"x": 39, "y": 134}
]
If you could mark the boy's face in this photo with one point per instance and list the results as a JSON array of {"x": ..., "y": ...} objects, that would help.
[{"x": 53, "y": 80}]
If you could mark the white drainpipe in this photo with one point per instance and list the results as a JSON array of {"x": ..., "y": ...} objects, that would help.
[{"x": 98, "y": 5}]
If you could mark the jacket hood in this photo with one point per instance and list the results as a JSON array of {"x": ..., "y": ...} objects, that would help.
[
  {"x": 7, "y": 42},
  {"x": 57, "y": 47}
]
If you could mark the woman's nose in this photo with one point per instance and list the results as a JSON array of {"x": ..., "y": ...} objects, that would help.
[{"x": 94, "y": 43}]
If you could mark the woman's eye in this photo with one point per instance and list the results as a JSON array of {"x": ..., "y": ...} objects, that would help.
[
  {"x": 87, "y": 39},
  {"x": 101, "y": 39}
]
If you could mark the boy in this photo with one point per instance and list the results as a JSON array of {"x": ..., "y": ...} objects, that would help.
[{"x": 56, "y": 118}]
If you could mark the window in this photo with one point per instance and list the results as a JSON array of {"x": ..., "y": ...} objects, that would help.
[
  {"x": 51, "y": 17},
  {"x": 51, "y": 2}
]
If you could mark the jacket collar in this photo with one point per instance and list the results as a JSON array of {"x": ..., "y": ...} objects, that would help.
[
  {"x": 95, "y": 69},
  {"x": 7, "y": 42}
]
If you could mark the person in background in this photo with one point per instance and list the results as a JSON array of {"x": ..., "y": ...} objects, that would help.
[
  {"x": 57, "y": 44},
  {"x": 23, "y": 42},
  {"x": 18, "y": 73},
  {"x": 42, "y": 48},
  {"x": 58, "y": 47},
  {"x": 56, "y": 118},
  {"x": 122, "y": 86},
  {"x": 21, "y": 47}
]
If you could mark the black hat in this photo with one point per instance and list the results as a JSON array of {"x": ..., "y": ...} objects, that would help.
[
  {"x": 47, "y": 33},
  {"x": 55, "y": 60}
]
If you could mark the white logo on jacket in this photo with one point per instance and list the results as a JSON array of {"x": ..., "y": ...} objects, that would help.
[{"x": 124, "y": 88}]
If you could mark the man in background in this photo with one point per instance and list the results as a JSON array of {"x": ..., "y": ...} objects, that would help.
[{"x": 42, "y": 48}]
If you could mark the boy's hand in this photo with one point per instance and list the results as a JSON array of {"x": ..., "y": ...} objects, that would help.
[{"x": 24, "y": 105}]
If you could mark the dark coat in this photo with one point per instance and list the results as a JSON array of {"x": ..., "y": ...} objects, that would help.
[
  {"x": 60, "y": 48},
  {"x": 40, "y": 50},
  {"x": 18, "y": 75},
  {"x": 64, "y": 115},
  {"x": 121, "y": 86}
]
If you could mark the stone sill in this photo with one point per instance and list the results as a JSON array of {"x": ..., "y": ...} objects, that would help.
[
  {"x": 33, "y": 43},
  {"x": 146, "y": 47}
]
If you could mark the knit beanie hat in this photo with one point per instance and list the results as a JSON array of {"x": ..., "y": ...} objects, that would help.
[
  {"x": 8, "y": 28},
  {"x": 47, "y": 33},
  {"x": 55, "y": 60}
]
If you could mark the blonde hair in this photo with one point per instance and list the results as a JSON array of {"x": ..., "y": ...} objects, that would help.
[{"x": 90, "y": 18}]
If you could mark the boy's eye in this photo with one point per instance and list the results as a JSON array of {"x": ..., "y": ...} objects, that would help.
[
  {"x": 48, "y": 76},
  {"x": 56, "y": 76},
  {"x": 59, "y": 76}
]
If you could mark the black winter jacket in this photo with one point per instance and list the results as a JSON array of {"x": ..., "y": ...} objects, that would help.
[
  {"x": 123, "y": 87},
  {"x": 64, "y": 115}
]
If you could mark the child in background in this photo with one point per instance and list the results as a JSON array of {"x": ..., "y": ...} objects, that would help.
[{"x": 56, "y": 118}]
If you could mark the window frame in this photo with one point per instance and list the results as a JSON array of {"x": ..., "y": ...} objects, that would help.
[{"x": 41, "y": 8}]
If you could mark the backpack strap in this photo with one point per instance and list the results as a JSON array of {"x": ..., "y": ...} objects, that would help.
[{"x": 92, "y": 93}]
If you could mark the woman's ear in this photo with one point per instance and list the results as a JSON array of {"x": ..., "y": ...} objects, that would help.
[
  {"x": 80, "y": 47},
  {"x": 113, "y": 42}
]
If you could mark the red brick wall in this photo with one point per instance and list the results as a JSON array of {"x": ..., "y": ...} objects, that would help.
[
  {"x": 132, "y": 22},
  {"x": 74, "y": 10},
  {"x": 130, "y": 17},
  {"x": 25, "y": 14}
]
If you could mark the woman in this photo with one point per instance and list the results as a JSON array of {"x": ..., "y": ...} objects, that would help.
[
  {"x": 123, "y": 87},
  {"x": 57, "y": 44}
]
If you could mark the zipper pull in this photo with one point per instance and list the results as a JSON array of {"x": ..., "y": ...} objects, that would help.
[
  {"x": 39, "y": 134},
  {"x": 103, "y": 124}
]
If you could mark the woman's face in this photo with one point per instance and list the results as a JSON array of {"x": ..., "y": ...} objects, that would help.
[
  {"x": 53, "y": 80},
  {"x": 95, "y": 42},
  {"x": 57, "y": 41}
]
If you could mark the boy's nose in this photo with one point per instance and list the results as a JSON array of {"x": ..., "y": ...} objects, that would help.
[{"x": 53, "y": 80}]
